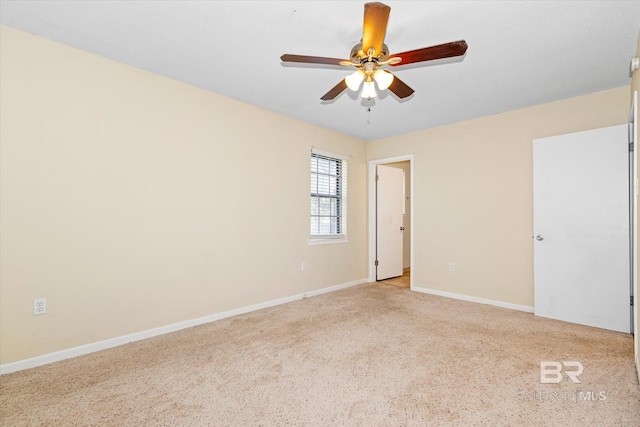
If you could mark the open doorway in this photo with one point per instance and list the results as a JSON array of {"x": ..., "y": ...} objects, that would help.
[{"x": 378, "y": 250}]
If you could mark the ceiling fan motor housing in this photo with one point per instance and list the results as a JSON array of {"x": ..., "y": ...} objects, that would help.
[{"x": 359, "y": 56}]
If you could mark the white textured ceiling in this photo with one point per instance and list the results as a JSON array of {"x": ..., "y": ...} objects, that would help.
[{"x": 521, "y": 53}]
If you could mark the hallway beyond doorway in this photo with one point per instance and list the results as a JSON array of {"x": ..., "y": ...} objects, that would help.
[{"x": 400, "y": 281}]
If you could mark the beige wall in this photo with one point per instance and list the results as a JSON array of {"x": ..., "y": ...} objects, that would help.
[
  {"x": 131, "y": 201},
  {"x": 473, "y": 193}
]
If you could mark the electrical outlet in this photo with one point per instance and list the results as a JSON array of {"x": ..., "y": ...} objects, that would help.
[
  {"x": 304, "y": 266},
  {"x": 452, "y": 266},
  {"x": 39, "y": 306}
]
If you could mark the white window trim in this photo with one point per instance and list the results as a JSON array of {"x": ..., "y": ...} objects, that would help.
[
  {"x": 341, "y": 238},
  {"x": 328, "y": 154},
  {"x": 327, "y": 240}
]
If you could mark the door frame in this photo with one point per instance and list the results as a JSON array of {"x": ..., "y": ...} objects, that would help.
[
  {"x": 371, "y": 183},
  {"x": 633, "y": 209},
  {"x": 633, "y": 166}
]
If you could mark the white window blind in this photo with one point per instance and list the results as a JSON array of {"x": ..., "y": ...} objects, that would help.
[{"x": 328, "y": 195}]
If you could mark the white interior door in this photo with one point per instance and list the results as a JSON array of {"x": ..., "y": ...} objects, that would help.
[
  {"x": 581, "y": 228},
  {"x": 389, "y": 220}
]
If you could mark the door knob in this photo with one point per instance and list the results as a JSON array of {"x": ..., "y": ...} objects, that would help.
[{"x": 539, "y": 237}]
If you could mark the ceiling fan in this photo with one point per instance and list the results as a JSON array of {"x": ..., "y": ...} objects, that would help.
[{"x": 372, "y": 54}]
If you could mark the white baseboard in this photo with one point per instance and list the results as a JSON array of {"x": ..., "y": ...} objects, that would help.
[
  {"x": 332, "y": 288},
  {"x": 474, "y": 299},
  {"x": 44, "y": 359}
]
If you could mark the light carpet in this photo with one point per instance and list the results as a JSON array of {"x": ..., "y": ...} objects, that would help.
[{"x": 371, "y": 355}]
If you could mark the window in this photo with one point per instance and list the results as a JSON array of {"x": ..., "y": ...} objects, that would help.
[{"x": 328, "y": 196}]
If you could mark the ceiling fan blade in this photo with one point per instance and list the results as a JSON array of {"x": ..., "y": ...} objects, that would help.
[
  {"x": 335, "y": 91},
  {"x": 312, "y": 59},
  {"x": 376, "y": 16},
  {"x": 446, "y": 50},
  {"x": 400, "y": 88}
]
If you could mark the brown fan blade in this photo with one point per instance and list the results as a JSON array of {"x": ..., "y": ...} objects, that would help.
[
  {"x": 400, "y": 88},
  {"x": 335, "y": 91},
  {"x": 376, "y": 16},
  {"x": 312, "y": 59},
  {"x": 446, "y": 50}
]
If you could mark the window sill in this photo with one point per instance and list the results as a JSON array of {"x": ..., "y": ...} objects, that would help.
[{"x": 328, "y": 241}]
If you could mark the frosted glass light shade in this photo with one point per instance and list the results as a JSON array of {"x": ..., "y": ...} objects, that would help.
[
  {"x": 383, "y": 78},
  {"x": 368, "y": 90},
  {"x": 353, "y": 80}
]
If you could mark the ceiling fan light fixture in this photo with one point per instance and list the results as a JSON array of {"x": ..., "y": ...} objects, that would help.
[
  {"x": 383, "y": 78},
  {"x": 368, "y": 90},
  {"x": 372, "y": 53},
  {"x": 353, "y": 80}
]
